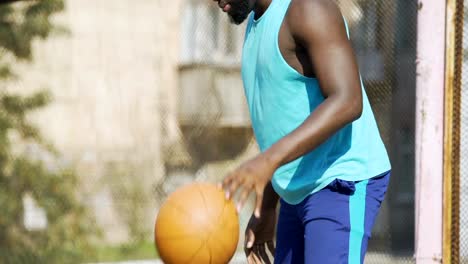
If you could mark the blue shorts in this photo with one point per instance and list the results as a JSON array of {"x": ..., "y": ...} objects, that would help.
[{"x": 331, "y": 226}]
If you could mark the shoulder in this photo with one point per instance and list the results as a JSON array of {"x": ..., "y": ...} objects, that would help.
[
  {"x": 314, "y": 15},
  {"x": 318, "y": 8}
]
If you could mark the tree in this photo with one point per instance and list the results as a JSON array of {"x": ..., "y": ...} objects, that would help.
[{"x": 54, "y": 189}]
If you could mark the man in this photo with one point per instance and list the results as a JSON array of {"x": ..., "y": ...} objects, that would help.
[{"x": 321, "y": 152}]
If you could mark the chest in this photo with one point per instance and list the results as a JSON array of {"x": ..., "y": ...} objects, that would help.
[
  {"x": 259, "y": 48},
  {"x": 269, "y": 47}
]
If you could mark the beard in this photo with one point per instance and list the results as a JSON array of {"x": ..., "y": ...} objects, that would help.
[{"x": 239, "y": 12}]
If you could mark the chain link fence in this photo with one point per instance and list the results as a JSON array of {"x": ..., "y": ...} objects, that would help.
[
  {"x": 384, "y": 38},
  {"x": 146, "y": 96}
]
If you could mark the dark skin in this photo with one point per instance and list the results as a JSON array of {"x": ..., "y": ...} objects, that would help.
[{"x": 313, "y": 41}]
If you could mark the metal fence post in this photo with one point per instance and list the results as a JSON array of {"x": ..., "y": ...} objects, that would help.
[{"x": 429, "y": 130}]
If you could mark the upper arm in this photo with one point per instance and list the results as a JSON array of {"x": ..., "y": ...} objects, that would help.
[{"x": 318, "y": 27}]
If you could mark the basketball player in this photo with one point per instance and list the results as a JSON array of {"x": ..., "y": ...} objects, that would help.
[{"x": 321, "y": 152}]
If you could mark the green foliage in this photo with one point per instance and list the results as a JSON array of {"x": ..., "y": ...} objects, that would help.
[
  {"x": 65, "y": 239},
  {"x": 22, "y": 22},
  {"x": 53, "y": 187}
]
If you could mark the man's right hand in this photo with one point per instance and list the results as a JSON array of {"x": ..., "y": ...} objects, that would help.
[{"x": 259, "y": 236}]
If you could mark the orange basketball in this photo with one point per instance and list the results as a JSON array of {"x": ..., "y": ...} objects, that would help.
[{"x": 196, "y": 224}]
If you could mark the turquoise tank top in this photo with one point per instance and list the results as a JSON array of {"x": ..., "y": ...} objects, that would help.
[{"x": 280, "y": 99}]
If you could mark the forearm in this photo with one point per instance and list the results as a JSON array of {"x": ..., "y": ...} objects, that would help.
[
  {"x": 329, "y": 117},
  {"x": 270, "y": 198}
]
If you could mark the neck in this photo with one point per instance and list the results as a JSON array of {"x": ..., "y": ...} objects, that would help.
[{"x": 260, "y": 7}]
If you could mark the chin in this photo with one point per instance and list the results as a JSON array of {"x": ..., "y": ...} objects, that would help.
[{"x": 238, "y": 19}]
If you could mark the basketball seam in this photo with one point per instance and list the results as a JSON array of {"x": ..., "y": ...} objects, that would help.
[
  {"x": 176, "y": 206},
  {"x": 212, "y": 231},
  {"x": 184, "y": 213},
  {"x": 203, "y": 197},
  {"x": 204, "y": 243},
  {"x": 195, "y": 254},
  {"x": 221, "y": 240},
  {"x": 209, "y": 251},
  {"x": 222, "y": 212},
  {"x": 206, "y": 208}
]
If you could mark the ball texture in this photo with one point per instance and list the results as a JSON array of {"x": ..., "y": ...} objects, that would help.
[{"x": 196, "y": 224}]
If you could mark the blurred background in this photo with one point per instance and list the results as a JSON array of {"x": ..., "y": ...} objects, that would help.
[{"x": 106, "y": 107}]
